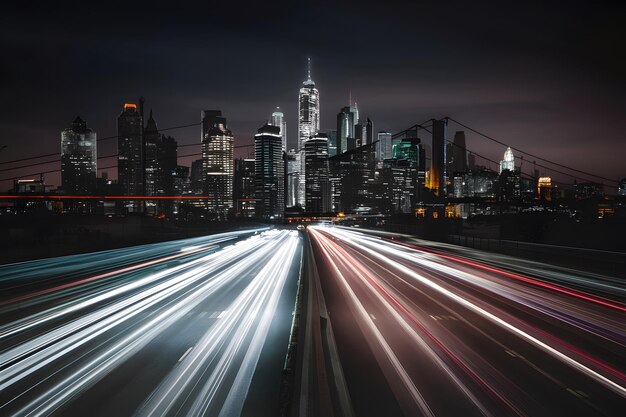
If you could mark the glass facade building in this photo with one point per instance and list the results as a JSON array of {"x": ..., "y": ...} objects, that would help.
[
  {"x": 269, "y": 173},
  {"x": 130, "y": 150},
  {"x": 308, "y": 124},
  {"x": 317, "y": 190},
  {"x": 244, "y": 188},
  {"x": 217, "y": 164},
  {"x": 293, "y": 177},
  {"x": 78, "y": 159},
  {"x": 383, "y": 147},
  {"x": 278, "y": 119}
]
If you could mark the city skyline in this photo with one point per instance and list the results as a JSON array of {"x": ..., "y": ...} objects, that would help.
[
  {"x": 513, "y": 90},
  {"x": 319, "y": 208}
]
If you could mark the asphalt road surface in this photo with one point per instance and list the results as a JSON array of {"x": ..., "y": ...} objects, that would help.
[
  {"x": 421, "y": 332},
  {"x": 184, "y": 328}
]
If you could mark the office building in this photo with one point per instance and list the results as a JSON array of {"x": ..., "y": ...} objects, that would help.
[
  {"x": 292, "y": 182},
  {"x": 244, "y": 193},
  {"x": 78, "y": 159},
  {"x": 217, "y": 164},
  {"x": 130, "y": 159},
  {"x": 308, "y": 123},
  {"x": 332, "y": 142},
  {"x": 353, "y": 180},
  {"x": 347, "y": 119},
  {"x": 317, "y": 191},
  {"x": 509, "y": 186},
  {"x": 364, "y": 133},
  {"x": 196, "y": 178},
  {"x": 268, "y": 173},
  {"x": 508, "y": 162},
  {"x": 384, "y": 146},
  {"x": 151, "y": 139},
  {"x": 278, "y": 119}
]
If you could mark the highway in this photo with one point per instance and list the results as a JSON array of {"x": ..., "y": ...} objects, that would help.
[
  {"x": 184, "y": 328},
  {"x": 425, "y": 332}
]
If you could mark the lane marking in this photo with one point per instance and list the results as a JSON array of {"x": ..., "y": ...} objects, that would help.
[
  {"x": 185, "y": 354},
  {"x": 373, "y": 316}
]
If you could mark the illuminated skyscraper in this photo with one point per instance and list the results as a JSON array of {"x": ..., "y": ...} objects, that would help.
[
  {"x": 78, "y": 159},
  {"x": 383, "y": 147},
  {"x": 130, "y": 150},
  {"x": 544, "y": 188},
  {"x": 217, "y": 163},
  {"x": 278, "y": 119},
  {"x": 293, "y": 177},
  {"x": 268, "y": 173},
  {"x": 508, "y": 162},
  {"x": 308, "y": 123},
  {"x": 308, "y": 110}
]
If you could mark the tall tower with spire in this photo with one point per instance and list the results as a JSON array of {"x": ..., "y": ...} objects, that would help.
[
  {"x": 308, "y": 109},
  {"x": 308, "y": 122}
]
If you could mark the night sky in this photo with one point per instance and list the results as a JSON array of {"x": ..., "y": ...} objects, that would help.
[{"x": 547, "y": 79}]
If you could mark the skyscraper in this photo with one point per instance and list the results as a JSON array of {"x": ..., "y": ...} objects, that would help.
[
  {"x": 308, "y": 123},
  {"x": 196, "y": 178},
  {"x": 268, "y": 172},
  {"x": 352, "y": 178},
  {"x": 308, "y": 109},
  {"x": 369, "y": 132},
  {"x": 151, "y": 140},
  {"x": 347, "y": 118},
  {"x": 332, "y": 142},
  {"x": 278, "y": 119},
  {"x": 78, "y": 159},
  {"x": 508, "y": 162},
  {"x": 293, "y": 177},
  {"x": 130, "y": 150},
  {"x": 317, "y": 191},
  {"x": 244, "y": 188},
  {"x": 383, "y": 147},
  {"x": 217, "y": 163}
]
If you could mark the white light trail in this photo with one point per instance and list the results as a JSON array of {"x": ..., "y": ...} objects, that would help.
[
  {"x": 130, "y": 316},
  {"x": 387, "y": 248}
]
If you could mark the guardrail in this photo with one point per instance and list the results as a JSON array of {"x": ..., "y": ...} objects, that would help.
[{"x": 592, "y": 260}]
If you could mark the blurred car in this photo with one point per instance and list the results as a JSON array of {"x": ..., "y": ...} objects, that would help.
[{"x": 300, "y": 227}]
